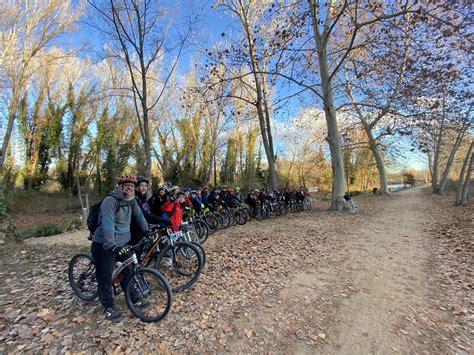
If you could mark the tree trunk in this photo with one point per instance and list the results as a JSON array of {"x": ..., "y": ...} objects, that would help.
[
  {"x": 437, "y": 152},
  {"x": 464, "y": 179},
  {"x": 333, "y": 138},
  {"x": 8, "y": 133},
  {"x": 452, "y": 154},
  {"x": 261, "y": 104},
  {"x": 467, "y": 181},
  {"x": 379, "y": 162}
]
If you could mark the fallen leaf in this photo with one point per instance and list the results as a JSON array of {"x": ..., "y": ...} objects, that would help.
[
  {"x": 248, "y": 332},
  {"x": 397, "y": 350},
  {"x": 322, "y": 335}
]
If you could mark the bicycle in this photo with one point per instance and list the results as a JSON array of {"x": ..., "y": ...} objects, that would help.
[
  {"x": 200, "y": 226},
  {"x": 349, "y": 203},
  {"x": 148, "y": 283},
  {"x": 185, "y": 259}
]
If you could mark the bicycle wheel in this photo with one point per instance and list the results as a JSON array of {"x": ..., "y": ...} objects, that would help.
[
  {"x": 225, "y": 219},
  {"x": 190, "y": 235},
  {"x": 203, "y": 253},
  {"x": 186, "y": 265},
  {"x": 307, "y": 205},
  {"x": 249, "y": 213},
  {"x": 240, "y": 217},
  {"x": 351, "y": 206},
  {"x": 212, "y": 222},
  {"x": 82, "y": 277},
  {"x": 202, "y": 230},
  {"x": 150, "y": 286}
]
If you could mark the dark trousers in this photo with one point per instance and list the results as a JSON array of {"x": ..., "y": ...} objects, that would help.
[{"x": 104, "y": 265}]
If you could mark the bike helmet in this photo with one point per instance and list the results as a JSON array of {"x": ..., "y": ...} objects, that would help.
[
  {"x": 193, "y": 192},
  {"x": 187, "y": 189},
  {"x": 174, "y": 188},
  {"x": 142, "y": 179},
  {"x": 124, "y": 179}
]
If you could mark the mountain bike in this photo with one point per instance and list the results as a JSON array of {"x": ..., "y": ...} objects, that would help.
[
  {"x": 180, "y": 261},
  {"x": 147, "y": 283},
  {"x": 200, "y": 226},
  {"x": 349, "y": 203}
]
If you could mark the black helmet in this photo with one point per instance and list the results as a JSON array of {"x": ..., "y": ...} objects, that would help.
[{"x": 142, "y": 179}]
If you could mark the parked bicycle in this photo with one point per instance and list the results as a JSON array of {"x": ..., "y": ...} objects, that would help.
[
  {"x": 349, "y": 203},
  {"x": 150, "y": 285},
  {"x": 179, "y": 260}
]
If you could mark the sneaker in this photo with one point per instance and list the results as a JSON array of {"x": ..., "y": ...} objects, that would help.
[
  {"x": 112, "y": 314},
  {"x": 141, "y": 303}
]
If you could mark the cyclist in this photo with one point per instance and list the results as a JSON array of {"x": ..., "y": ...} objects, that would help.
[
  {"x": 238, "y": 195},
  {"x": 196, "y": 201},
  {"x": 157, "y": 201},
  {"x": 141, "y": 197},
  {"x": 174, "y": 211},
  {"x": 205, "y": 195},
  {"x": 109, "y": 239}
]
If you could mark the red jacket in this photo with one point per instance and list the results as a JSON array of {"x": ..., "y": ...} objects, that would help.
[{"x": 177, "y": 217}]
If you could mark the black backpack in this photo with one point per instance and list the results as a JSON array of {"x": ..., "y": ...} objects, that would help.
[{"x": 93, "y": 220}]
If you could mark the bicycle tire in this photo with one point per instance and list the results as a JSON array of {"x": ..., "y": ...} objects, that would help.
[
  {"x": 225, "y": 220},
  {"x": 240, "y": 217},
  {"x": 351, "y": 206},
  {"x": 249, "y": 213},
  {"x": 139, "y": 284},
  {"x": 203, "y": 253},
  {"x": 203, "y": 230},
  {"x": 191, "y": 235},
  {"x": 211, "y": 222},
  {"x": 176, "y": 273},
  {"x": 86, "y": 278}
]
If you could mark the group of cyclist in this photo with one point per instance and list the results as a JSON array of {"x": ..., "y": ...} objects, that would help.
[
  {"x": 205, "y": 197},
  {"x": 128, "y": 210}
]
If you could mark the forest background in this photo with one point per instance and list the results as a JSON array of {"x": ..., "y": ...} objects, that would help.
[{"x": 337, "y": 95}]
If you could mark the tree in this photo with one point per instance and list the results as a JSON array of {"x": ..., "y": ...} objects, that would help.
[
  {"x": 374, "y": 76},
  {"x": 409, "y": 179},
  {"x": 139, "y": 32},
  {"x": 254, "y": 53},
  {"x": 334, "y": 28},
  {"x": 465, "y": 177},
  {"x": 26, "y": 29}
]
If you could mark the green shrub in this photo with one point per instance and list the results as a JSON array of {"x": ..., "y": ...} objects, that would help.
[{"x": 48, "y": 229}]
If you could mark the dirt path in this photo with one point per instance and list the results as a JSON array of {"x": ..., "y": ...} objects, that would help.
[
  {"x": 387, "y": 267},
  {"x": 319, "y": 282}
]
